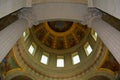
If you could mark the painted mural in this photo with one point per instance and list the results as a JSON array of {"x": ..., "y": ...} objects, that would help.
[
  {"x": 60, "y": 26},
  {"x": 8, "y": 63},
  {"x": 111, "y": 63},
  {"x": 58, "y": 41}
]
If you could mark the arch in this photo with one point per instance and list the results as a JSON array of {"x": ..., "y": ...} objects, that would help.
[
  {"x": 59, "y": 11},
  {"x": 100, "y": 77},
  {"x": 18, "y": 74},
  {"x": 21, "y": 77}
]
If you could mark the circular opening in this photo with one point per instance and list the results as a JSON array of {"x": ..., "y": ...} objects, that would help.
[{"x": 60, "y": 26}]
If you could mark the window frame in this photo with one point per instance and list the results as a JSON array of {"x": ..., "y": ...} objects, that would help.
[
  {"x": 34, "y": 47},
  {"x": 73, "y": 58},
  {"x": 94, "y": 34},
  {"x": 57, "y": 63},
  {"x": 46, "y": 55},
  {"x": 27, "y": 32},
  {"x": 86, "y": 48}
]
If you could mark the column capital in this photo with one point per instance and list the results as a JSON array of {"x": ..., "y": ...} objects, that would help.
[
  {"x": 27, "y": 14},
  {"x": 93, "y": 13}
]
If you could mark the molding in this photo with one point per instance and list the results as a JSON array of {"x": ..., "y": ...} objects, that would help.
[
  {"x": 54, "y": 11},
  {"x": 27, "y": 13},
  {"x": 17, "y": 72},
  {"x": 42, "y": 73}
]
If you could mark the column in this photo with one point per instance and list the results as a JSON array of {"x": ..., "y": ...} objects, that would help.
[
  {"x": 28, "y": 3},
  {"x": 90, "y": 3},
  {"x": 109, "y": 35},
  {"x": 10, "y": 6},
  {"x": 10, "y": 35}
]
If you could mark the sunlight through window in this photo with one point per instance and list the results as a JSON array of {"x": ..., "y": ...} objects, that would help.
[
  {"x": 31, "y": 49},
  {"x": 75, "y": 58},
  {"x": 88, "y": 49},
  {"x": 60, "y": 61},
  {"x": 44, "y": 59},
  {"x": 94, "y": 34}
]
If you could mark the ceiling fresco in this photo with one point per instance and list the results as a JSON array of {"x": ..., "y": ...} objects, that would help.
[
  {"x": 60, "y": 26},
  {"x": 111, "y": 63},
  {"x": 8, "y": 63},
  {"x": 60, "y": 34}
]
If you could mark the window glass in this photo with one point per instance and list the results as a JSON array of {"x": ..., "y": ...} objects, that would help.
[
  {"x": 44, "y": 59},
  {"x": 31, "y": 49},
  {"x": 94, "y": 34},
  {"x": 75, "y": 58},
  {"x": 60, "y": 61},
  {"x": 88, "y": 49},
  {"x": 26, "y": 34}
]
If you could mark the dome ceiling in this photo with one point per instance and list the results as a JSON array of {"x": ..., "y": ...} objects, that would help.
[
  {"x": 78, "y": 63},
  {"x": 60, "y": 34},
  {"x": 60, "y": 26}
]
